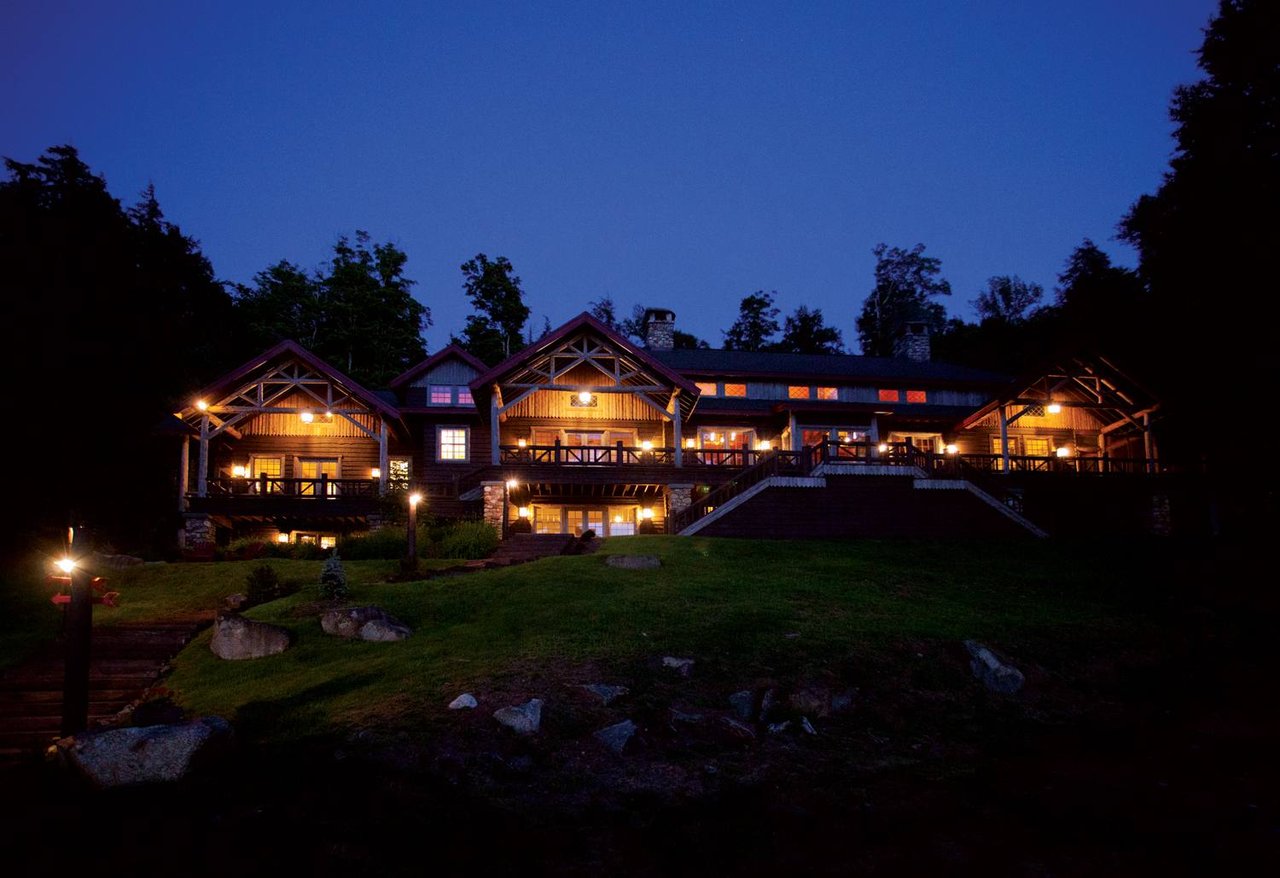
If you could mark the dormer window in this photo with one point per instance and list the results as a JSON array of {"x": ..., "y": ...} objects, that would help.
[{"x": 449, "y": 394}]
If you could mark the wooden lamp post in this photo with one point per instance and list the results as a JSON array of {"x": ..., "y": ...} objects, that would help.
[{"x": 410, "y": 564}]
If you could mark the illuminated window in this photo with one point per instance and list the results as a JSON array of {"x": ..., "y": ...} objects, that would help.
[
  {"x": 452, "y": 444},
  {"x": 916, "y": 396},
  {"x": 707, "y": 388},
  {"x": 328, "y": 542},
  {"x": 795, "y": 391},
  {"x": 1036, "y": 446},
  {"x": 546, "y": 520},
  {"x": 398, "y": 473},
  {"x": 888, "y": 396},
  {"x": 464, "y": 396},
  {"x": 735, "y": 390},
  {"x": 827, "y": 393},
  {"x": 441, "y": 395},
  {"x": 265, "y": 466}
]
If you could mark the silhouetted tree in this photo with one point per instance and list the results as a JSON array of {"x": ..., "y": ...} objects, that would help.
[
  {"x": 687, "y": 341},
  {"x": 1208, "y": 238},
  {"x": 1008, "y": 298},
  {"x": 756, "y": 325},
  {"x": 906, "y": 282},
  {"x": 493, "y": 329},
  {"x": 109, "y": 316},
  {"x": 806, "y": 332},
  {"x": 603, "y": 310},
  {"x": 283, "y": 302}
]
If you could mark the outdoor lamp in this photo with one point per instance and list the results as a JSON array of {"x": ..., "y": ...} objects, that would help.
[
  {"x": 523, "y": 512},
  {"x": 883, "y": 447},
  {"x": 239, "y": 472},
  {"x": 951, "y": 449},
  {"x": 375, "y": 473},
  {"x": 307, "y": 417},
  {"x": 646, "y": 513},
  {"x": 520, "y": 443},
  {"x": 512, "y": 484},
  {"x": 1053, "y": 408},
  {"x": 584, "y": 397},
  {"x": 202, "y": 405},
  {"x": 282, "y": 537},
  {"x": 646, "y": 445},
  {"x": 66, "y": 565},
  {"x": 1062, "y": 451},
  {"x": 415, "y": 499}
]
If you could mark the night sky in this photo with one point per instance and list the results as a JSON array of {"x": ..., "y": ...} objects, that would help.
[{"x": 681, "y": 155}]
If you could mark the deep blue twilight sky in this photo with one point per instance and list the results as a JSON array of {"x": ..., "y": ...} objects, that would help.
[{"x": 681, "y": 154}]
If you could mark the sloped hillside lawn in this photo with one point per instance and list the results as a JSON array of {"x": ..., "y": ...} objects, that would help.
[{"x": 1140, "y": 741}]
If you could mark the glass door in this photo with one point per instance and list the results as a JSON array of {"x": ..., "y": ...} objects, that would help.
[{"x": 315, "y": 467}]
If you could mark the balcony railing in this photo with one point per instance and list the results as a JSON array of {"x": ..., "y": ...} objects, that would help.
[{"x": 267, "y": 487}]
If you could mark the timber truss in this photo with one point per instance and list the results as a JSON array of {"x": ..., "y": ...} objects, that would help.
[{"x": 624, "y": 373}]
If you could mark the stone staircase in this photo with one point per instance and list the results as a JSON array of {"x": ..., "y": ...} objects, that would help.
[{"x": 125, "y": 660}]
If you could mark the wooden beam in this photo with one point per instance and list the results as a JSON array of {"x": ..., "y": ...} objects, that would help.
[
  {"x": 184, "y": 472},
  {"x": 202, "y": 473},
  {"x": 1004, "y": 440},
  {"x": 494, "y": 449},
  {"x": 383, "y": 460}
]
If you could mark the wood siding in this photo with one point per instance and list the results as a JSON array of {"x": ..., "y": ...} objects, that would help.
[
  {"x": 555, "y": 405},
  {"x": 356, "y": 457},
  {"x": 290, "y": 424}
]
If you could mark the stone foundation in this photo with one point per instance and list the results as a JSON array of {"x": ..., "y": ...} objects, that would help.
[
  {"x": 199, "y": 533},
  {"x": 679, "y": 498},
  {"x": 1161, "y": 515}
]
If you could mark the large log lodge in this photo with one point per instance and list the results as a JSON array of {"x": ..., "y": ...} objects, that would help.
[{"x": 586, "y": 430}]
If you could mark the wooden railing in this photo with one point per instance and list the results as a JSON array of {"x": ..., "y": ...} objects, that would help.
[
  {"x": 266, "y": 487},
  {"x": 584, "y": 455},
  {"x": 771, "y": 463},
  {"x": 959, "y": 465}
]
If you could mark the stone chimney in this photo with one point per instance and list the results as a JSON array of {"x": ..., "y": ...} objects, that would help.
[
  {"x": 659, "y": 329},
  {"x": 912, "y": 340}
]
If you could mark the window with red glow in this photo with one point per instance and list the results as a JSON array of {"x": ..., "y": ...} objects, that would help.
[
  {"x": 827, "y": 393},
  {"x": 888, "y": 396},
  {"x": 916, "y": 396},
  {"x": 735, "y": 390}
]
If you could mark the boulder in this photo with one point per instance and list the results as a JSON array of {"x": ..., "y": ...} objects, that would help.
[
  {"x": 634, "y": 562},
  {"x": 235, "y": 638},
  {"x": 143, "y": 754},
  {"x": 682, "y": 666},
  {"x": 743, "y": 704},
  {"x": 364, "y": 623},
  {"x": 521, "y": 718},
  {"x": 465, "y": 701},
  {"x": 616, "y": 736},
  {"x": 994, "y": 674},
  {"x": 605, "y": 693}
]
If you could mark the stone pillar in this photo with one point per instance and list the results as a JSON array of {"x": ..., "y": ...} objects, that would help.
[
  {"x": 198, "y": 532},
  {"x": 1161, "y": 515},
  {"x": 495, "y": 505},
  {"x": 679, "y": 497}
]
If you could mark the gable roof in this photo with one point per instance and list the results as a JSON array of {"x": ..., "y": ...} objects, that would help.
[
  {"x": 445, "y": 353},
  {"x": 291, "y": 348},
  {"x": 584, "y": 320}
]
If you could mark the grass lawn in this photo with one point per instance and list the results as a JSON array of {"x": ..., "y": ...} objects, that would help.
[{"x": 740, "y": 608}]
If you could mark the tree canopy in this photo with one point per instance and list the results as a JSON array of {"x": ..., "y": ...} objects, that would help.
[
  {"x": 493, "y": 330},
  {"x": 805, "y": 332},
  {"x": 112, "y": 314},
  {"x": 1008, "y": 298},
  {"x": 357, "y": 312},
  {"x": 757, "y": 323},
  {"x": 906, "y": 282}
]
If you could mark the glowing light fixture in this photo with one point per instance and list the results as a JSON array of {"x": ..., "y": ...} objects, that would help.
[
  {"x": 646, "y": 513},
  {"x": 689, "y": 443},
  {"x": 306, "y": 417},
  {"x": 617, "y": 519},
  {"x": 415, "y": 499},
  {"x": 202, "y": 405},
  {"x": 523, "y": 512},
  {"x": 511, "y": 484},
  {"x": 520, "y": 443},
  {"x": 239, "y": 472},
  {"x": 1062, "y": 451},
  {"x": 66, "y": 565},
  {"x": 764, "y": 445},
  {"x": 375, "y": 473},
  {"x": 646, "y": 445},
  {"x": 733, "y": 437},
  {"x": 282, "y": 537},
  {"x": 952, "y": 449},
  {"x": 584, "y": 397},
  {"x": 883, "y": 447},
  {"x": 328, "y": 416},
  {"x": 1053, "y": 408}
]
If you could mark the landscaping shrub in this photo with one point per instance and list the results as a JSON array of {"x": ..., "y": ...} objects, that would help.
[
  {"x": 469, "y": 540},
  {"x": 262, "y": 584},
  {"x": 246, "y": 549},
  {"x": 386, "y": 543},
  {"x": 333, "y": 579}
]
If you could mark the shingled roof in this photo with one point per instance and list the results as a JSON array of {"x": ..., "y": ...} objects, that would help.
[{"x": 703, "y": 362}]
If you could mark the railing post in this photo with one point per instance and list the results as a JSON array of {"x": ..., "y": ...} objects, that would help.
[
  {"x": 324, "y": 485},
  {"x": 557, "y": 451},
  {"x": 262, "y": 479},
  {"x": 620, "y": 460}
]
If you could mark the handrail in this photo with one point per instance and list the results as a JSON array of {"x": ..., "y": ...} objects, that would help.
[
  {"x": 264, "y": 486},
  {"x": 772, "y": 463}
]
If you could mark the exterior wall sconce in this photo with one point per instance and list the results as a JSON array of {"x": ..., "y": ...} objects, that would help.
[
  {"x": 617, "y": 519},
  {"x": 523, "y": 512},
  {"x": 952, "y": 449},
  {"x": 583, "y": 398},
  {"x": 646, "y": 514},
  {"x": 764, "y": 445},
  {"x": 882, "y": 447},
  {"x": 1062, "y": 451},
  {"x": 239, "y": 472},
  {"x": 375, "y": 473},
  {"x": 1053, "y": 408},
  {"x": 521, "y": 443},
  {"x": 646, "y": 445},
  {"x": 306, "y": 417},
  {"x": 282, "y": 537},
  {"x": 202, "y": 405},
  {"x": 689, "y": 443},
  {"x": 512, "y": 484}
]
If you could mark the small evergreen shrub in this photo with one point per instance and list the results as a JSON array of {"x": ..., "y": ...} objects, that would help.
[
  {"x": 469, "y": 540},
  {"x": 262, "y": 584},
  {"x": 333, "y": 579}
]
